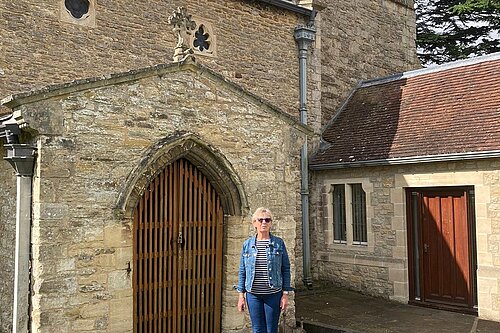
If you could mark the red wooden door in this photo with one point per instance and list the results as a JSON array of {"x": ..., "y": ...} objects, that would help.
[
  {"x": 444, "y": 264},
  {"x": 178, "y": 230}
]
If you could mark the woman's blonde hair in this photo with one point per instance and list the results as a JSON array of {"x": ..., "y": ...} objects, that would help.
[{"x": 261, "y": 210}]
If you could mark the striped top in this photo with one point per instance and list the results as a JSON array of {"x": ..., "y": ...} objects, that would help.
[{"x": 261, "y": 278}]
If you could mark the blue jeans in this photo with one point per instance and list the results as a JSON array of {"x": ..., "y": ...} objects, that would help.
[{"x": 264, "y": 312}]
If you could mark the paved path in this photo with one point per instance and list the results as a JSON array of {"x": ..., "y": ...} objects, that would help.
[{"x": 347, "y": 311}]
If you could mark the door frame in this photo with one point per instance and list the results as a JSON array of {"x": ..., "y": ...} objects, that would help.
[
  {"x": 415, "y": 250},
  {"x": 202, "y": 154},
  {"x": 178, "y": 211}
]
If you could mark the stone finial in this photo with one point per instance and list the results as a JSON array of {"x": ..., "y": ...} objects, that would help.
[{"x": 182, "y": 26}]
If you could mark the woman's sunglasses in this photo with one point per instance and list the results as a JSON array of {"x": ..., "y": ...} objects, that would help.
[{"x": 265, "y": 219}]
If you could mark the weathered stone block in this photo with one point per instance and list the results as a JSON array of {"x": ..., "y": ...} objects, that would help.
[
  {"x": 94, "y": 310},
  {"x": 119, "y": 280}
]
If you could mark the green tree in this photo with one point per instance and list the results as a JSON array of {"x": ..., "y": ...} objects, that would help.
[{"x": 449, "y": 30}]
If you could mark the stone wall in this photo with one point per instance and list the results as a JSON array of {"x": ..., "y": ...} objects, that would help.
[
  {"x": 362, "y": 40},
  {"x": 90, "y": 142},
  {"x": 255, "y": 48},
  {"x": 255, "y": 44},
  {"x": 7, "y": 242},
  {"x": 373, "y": 281},
  {"x": 381, "y": 268},
  {"x": 355, "y": 41}
]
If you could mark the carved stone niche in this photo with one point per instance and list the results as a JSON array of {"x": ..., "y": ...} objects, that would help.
[{"x": 81, "y": 12}]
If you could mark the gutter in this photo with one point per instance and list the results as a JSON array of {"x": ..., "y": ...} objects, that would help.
[
  {"x": 409, "y": 160},
  {"x": 430, "y": 70},
  {"x": 22, "y": 158},
  {"x": 9, "y": 128},
  {"x": 305, "y": 35}
]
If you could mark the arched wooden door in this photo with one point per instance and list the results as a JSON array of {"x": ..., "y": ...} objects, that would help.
[{"x": 178, "y": 230}]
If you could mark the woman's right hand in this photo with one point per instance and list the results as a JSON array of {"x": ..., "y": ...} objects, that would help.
[{"x": 241, "y": 304}]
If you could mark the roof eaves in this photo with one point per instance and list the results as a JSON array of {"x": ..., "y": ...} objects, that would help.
[
  {"x": 59, "y": 89},
  {"x": 408, "y": 160},
  {"x": 429, "y": 70}
]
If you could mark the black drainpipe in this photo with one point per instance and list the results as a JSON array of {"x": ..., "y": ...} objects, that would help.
[
  {"x": 22, "y": 158},
  {"x": 305, "y": 35}
]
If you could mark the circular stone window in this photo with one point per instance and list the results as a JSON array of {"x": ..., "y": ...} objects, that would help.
[{"x": 77, "y": 8}]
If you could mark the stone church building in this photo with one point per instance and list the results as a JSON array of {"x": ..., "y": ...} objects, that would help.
[{"x": 138, "y": 138}]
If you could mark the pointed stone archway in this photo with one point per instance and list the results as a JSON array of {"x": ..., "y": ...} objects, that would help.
[
  {"x": 179, "y": 198},
  {"x": 203, "y": 156}
]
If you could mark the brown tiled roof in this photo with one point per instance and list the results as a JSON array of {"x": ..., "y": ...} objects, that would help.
[{"x": 434, "y": 113}]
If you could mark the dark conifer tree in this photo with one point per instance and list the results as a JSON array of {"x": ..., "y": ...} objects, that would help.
[{"x": 449, "y": 30}]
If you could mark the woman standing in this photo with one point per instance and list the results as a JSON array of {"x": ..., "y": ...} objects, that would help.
[{"x": 264, "y": 275}]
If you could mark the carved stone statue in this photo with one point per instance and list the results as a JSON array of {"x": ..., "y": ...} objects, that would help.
[{"x": 182, "y": 27}]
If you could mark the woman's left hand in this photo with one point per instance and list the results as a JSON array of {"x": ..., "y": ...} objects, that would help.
[{"x": 284, "y": 302}]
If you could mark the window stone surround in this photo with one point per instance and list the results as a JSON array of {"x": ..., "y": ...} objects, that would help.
[
  {"x": 87, "y": 20},
  {"x": 212, "y": 39},
  {"x": 328, "y": 209}
]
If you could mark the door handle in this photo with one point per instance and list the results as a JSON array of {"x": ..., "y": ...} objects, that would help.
[{"x": 426, "y": 247}]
